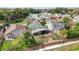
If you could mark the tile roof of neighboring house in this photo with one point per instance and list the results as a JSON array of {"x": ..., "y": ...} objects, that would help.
[
  {"x": 15, "y": 27},
  {"x": 56, "y": 17}
]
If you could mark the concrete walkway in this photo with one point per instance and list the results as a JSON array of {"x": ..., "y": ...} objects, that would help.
[{"x": 56, "y": 46}]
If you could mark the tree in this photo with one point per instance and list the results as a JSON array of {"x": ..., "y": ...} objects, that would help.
[
  {"x": 42, "y": 21},
  {"x": 66, "y": 22},
  {"x": 73, "y": 32},
  {"x": 29, "y": 39}
]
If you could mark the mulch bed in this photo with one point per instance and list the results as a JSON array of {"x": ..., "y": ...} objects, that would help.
[{"x": 50, "y": 44}]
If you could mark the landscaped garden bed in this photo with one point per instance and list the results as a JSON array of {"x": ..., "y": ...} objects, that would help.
[{"x": 55, "y": 42}]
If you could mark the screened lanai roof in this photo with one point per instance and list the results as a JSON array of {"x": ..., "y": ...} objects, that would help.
[{"x": 35, "y": 26}]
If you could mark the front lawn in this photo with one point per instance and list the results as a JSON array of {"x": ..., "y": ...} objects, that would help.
[
  {"x": 17, "y": 21},
  {"x": 71, "y": 47}
]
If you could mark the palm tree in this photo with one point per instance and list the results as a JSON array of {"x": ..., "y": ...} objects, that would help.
[{"x": 42, "y": 21}]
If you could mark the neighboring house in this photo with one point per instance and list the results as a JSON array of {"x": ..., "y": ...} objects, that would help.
[
  {"x": 2, "y": 31},
  {"x": 57, "y": 25},
  {"x": 13, "y": 31},
  {"x": 57, "y": 17},
  {"x": 33, "y": 16},
  {"x": 39, "y": 16},
  {"x": 76, "y": 19},
  {"x": 65, "y": 15},
  {"x": 45, "y": 15}
]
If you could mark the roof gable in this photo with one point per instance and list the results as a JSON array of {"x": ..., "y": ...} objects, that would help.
[{"x": 13, "y": 27}]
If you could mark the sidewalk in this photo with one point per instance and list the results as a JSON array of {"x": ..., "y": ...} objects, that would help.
[{"x": 56, "y": 46}]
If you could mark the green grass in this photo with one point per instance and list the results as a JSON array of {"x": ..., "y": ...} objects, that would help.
[
  {"x": 71, "y": 47},
  {"x": 17, "y": 21},
  {"x": 16, "y": 44},
  {"x": 21, "y": 21}
]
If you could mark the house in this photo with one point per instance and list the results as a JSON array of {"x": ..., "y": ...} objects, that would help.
[
  {"x": 65, "y": 15},
  {"x": 57, "y": 17},
  {"x": 2, "y": 31},
  {"x": 32, "y": 16},
  {"x": 38, "y": 29},
  {"x": 35, "y": 27},
  {"x": 49, "y": 24},
  {"x": 45, "y": 15},
  {"x": 76, "y": 19},
  {"x": 13, "y": 31},
  {"x": 39, "y": 16},
  {"x": 57, "y": 25}
]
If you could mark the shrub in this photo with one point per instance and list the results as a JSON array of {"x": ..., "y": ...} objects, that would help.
[
  {"x": 66, "y": 22},
  {"x": 2, "y": 40},
  {"x": 15, "y": 44},
  {"x": 73, "y": 32},
  {"x": 6, "y": 46},
  {"x": 66, "y": 19},
  {"x": 18, "y": 44},
  {"x": 62, "y": 34},
  {"x": 29, "y": 39}
]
